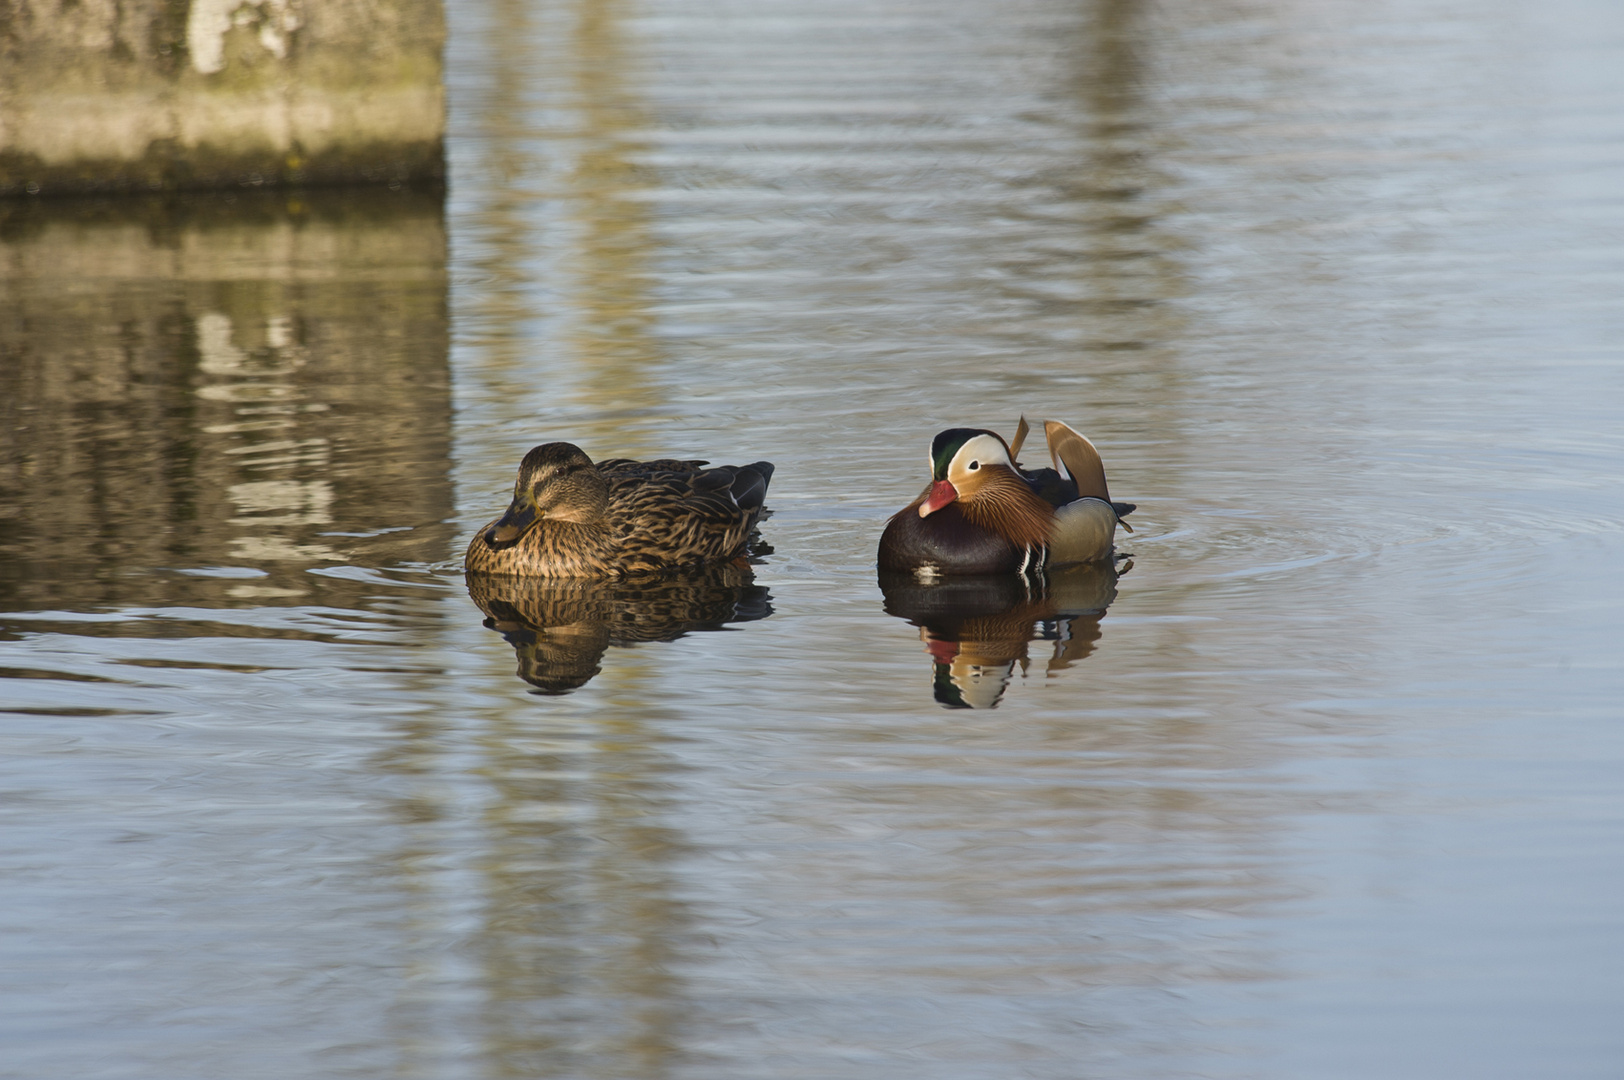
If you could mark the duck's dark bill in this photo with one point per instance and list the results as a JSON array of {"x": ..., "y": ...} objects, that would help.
[{"x": 512, "y": 524}]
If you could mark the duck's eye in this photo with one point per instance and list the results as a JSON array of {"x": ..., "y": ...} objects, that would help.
[{"x": 974, "y": 465}]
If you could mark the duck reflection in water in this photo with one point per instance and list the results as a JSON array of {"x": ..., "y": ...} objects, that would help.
[
  {"x": 978, "y": 629},
  {"x": 561, "y": 628}
]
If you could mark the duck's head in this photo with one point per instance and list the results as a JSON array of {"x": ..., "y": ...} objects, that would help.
[
  {"x": 556, "y": 481},
  {"x": 963, "y": 461}
]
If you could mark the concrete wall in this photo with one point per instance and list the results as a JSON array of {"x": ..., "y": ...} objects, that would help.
[{"x": 113, "y": 95}]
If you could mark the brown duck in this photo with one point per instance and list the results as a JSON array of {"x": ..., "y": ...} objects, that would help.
[
  {"x": 984, "y": 514},
  {"x": 571, "y": 518}
]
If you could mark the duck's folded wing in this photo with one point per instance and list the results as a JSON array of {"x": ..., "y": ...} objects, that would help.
[
  {"x": 1076, "y": 459},
  {"x": 1083, "y": 531},
  {"x": 1019, "y": 441}
]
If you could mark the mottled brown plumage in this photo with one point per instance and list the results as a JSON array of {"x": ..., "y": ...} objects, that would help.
[{"x": 571, "y": 518}]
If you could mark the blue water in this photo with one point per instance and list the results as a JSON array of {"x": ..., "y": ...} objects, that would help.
[{"x": 1324, "y": 784}]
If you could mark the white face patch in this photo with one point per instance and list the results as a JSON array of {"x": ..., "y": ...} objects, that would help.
[{"x": 976, "y": 454}]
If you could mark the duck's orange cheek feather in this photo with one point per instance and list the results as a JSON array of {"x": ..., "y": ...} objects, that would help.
[{"x": 942, "y": 492}]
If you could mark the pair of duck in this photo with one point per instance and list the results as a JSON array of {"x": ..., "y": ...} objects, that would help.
[{"x": 981, "y": 514}]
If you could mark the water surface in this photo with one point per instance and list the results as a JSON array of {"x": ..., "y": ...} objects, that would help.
[{"x": 1321, "y": 780}]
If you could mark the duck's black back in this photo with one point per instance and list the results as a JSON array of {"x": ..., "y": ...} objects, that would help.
[
  {"x": 1050, "y": 486},
  {"x": 1057, "y": 490}
]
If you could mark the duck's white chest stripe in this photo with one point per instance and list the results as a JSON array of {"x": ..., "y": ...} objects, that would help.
[{"x": 1034, "y": 559}]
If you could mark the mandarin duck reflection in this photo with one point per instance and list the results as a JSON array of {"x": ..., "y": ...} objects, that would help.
[
  {"x": 573, "y": 518},
  {"x": 984, "y": 514},
  {"x": 561, "y": 629},
  {"x": 978, "y": 630}
]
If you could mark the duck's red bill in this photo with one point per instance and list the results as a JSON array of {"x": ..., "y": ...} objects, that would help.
[{"x": 942, "y": 492}]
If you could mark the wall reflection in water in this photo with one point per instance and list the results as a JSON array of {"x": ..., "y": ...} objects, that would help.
[
  {"x": 979, "y": 630},
  {"x": 254, "y": 382},
  {"x": 561, "y": 629}
]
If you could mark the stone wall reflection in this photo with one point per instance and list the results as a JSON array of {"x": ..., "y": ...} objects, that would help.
[{"x": 205, "y": 398}]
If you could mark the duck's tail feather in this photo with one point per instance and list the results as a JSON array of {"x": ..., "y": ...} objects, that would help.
[{"x": 750, "y": 484}]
